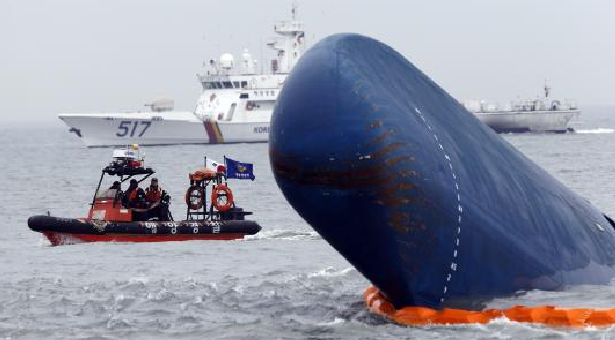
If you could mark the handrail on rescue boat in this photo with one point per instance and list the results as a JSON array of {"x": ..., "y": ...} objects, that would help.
[{"x": 221, "y": 195}]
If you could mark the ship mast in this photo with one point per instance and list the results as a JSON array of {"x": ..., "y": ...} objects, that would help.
[{"x": 289, "y": 45}]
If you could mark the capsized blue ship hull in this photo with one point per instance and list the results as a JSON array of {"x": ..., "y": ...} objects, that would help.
[{"x": 430, "y": 205}]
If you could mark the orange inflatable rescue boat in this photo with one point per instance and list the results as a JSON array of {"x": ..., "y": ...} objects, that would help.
[{"x": 115, "y": 216}]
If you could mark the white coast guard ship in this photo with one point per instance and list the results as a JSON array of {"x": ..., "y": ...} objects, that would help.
[
  {"x": 235, "y": 106},
  {"x": 541, "y": 115}
]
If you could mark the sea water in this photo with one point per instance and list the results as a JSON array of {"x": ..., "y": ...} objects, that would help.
[{"x": 283, "y": 283}]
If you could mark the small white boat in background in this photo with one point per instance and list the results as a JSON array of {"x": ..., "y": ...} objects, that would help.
[
  {"x": 235, "y": 106},
  {"x": 541, "y": 115}
]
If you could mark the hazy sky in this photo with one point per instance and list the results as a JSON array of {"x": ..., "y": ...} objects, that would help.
[{"x": 88, "y": 56}]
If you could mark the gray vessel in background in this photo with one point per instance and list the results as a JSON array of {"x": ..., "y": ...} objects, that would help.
[{"x": 541, "y": 115}]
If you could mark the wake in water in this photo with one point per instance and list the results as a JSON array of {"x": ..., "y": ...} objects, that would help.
[
  {"x": 595, "y": 131},
  {"x": 284, "y": 235}
]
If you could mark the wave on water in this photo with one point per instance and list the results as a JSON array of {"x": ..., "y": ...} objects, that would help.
[
  {"x": 282, "y": 234},
  {"x": 330, "y": 272},
  {"x": 336, "y": 321},
  {"x": 595, "y": 131}
]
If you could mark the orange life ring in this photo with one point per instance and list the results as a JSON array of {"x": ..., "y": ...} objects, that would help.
[
  {"x": 195, "y": 197},
  {"x": 222, "y": 190}
]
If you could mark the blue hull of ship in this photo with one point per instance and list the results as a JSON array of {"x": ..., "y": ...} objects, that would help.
[{"x": 433, "y": 207}]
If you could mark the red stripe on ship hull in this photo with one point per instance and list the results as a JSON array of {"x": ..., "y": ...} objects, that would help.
[
  {"x": 213, "y": 132},
  {"x": 66, "y": 238}
]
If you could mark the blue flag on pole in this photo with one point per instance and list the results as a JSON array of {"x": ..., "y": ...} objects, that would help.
[{"x": 235, "y": 169}]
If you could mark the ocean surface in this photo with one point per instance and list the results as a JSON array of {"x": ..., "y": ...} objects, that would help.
[{"x": 284, "y": 283}]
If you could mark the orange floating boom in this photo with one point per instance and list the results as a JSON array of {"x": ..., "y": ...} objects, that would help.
[{"x": 547, "y": 315}]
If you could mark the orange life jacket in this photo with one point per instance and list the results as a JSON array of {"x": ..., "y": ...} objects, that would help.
[
  {"x": 132, "y": 196},
  {"x": 153, "y": 196}
]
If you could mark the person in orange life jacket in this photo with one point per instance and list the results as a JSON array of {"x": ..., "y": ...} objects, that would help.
[
  {"x": 153, "y": 193},
  {"x": 157, "y": 207},
  {"x": 130, "y": 192},
  {"x": 134, "y": 197}
]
